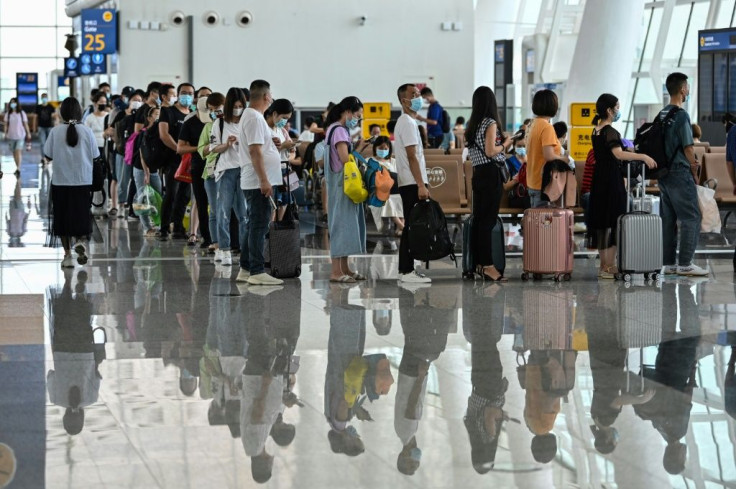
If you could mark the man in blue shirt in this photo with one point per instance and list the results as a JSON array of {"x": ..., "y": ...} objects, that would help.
[
  {"x": 679, "y": 198},
  {"x": 435, "y": 135}
]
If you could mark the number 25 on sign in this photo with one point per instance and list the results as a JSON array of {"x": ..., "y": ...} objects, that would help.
[{"x": 94, "y": 42}]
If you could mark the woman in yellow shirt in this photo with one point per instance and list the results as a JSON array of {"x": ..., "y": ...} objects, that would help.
[{"x": 542, "y": 143}]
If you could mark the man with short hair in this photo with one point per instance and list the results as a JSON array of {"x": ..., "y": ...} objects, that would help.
[
  {"x": 412, "y": 173},
  {"x": 177, "y": 195},
  {"x": 435, "y": 135},
  {"x": 679, "y": 198},
  {"x": 168, "y": 95},
  {"x": 261, "y": 162},
  {"x": 46, "y": 118},
  {"x": 90, "y": 108},
  {"x": 152, "y": 99}
]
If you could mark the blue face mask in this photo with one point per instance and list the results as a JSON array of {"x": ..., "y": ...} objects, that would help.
[
  {"x": 158, "y": 101},
  {"x": 213, "y": 116},
  {"x": 687, "y": 97},
  {"x": 351, "y": 123},
  {"x": 416, "y": 104},
  {"x": 281, "y": 124},
  {"x": 186, "y": 100},
  {"x": 13, "y": 105},
  {"x": 382, "y": 153},
  {"x": 617, "y": 117},
  {"x": 521, "y": 152},
  {"x": 416, "y": 454}
]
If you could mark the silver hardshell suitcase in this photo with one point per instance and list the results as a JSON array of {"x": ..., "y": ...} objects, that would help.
[{"x": 639, "y": 240}]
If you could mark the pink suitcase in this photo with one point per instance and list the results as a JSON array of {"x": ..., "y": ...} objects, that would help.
[{"x": 548, "y": 242}]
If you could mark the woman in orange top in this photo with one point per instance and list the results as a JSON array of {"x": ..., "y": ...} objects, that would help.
[{"x": 542, "y": 143}]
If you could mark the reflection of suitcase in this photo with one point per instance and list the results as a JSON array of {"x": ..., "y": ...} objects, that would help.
[
  {"x": 498, "y": 237},
  {"x": 548, "y": 318},
  {"x": 639, "y": 240},
  {"x": 548, "y": 242},
  {"x": 640, "y": 317}
]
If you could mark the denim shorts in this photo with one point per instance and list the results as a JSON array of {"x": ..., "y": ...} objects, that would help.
[{"x": 16, "y": 144}]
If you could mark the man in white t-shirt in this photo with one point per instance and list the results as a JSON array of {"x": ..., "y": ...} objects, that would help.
[
  {"x": 412, "y": 172},
  {"x": 261, "y": 161}
]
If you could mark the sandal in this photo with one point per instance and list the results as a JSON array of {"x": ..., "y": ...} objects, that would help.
[
  {"x": 481, "y": 271},
  {"x": 345, "y": 279},
  {"x": 358, "y": 276},
  {"x": 113, "y": 212},
  {"x": 192, "y": 240}
]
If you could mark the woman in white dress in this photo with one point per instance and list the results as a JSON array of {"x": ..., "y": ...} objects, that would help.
[{"x": 383, "y": 154}]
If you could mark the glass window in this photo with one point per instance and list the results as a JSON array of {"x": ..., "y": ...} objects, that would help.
[
  {"x": 28, "y": 41},
  {"x": 724, "y": 14},
  {"x": 653, "y": 32},
  {"x": 43, "y": 66},
  {"x": 29, "y": 12}
]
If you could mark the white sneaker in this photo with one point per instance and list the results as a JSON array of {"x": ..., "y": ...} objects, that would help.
[
  {"x": 67, "y": 262},
  {"x": 264, "y": 279},
  {"x": 243, "y": 275},
  {"x": 227, "y": 259},
  {"x": 692, "y": 270},
  {"x": 218, "y": 255},
  {"x": 414, "y": 278},
  {"x": 669, "y": 270}
]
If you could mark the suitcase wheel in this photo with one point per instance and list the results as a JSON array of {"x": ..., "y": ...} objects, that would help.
[
  {"x": 627, "y": 277},
  {"x": 297, "y": 271},
  {"x": 468, "y": 275},
  {"x": 524, "y": 276},
  {"x": 537, "y": 276},
  {"x": 567, "y": 277}
]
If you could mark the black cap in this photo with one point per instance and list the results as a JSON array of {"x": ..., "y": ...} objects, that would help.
[{"x": 128, "y": 91}]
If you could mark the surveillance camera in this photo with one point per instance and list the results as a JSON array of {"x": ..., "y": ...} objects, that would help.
[
  {"x": 363, "y": 18},
  {"x": 178, "y": 18},
  {"x": 210, "y": 18},
  {"x": 244, "y": 18}
]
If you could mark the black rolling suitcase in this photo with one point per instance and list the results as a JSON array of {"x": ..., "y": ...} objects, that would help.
[
  {"x": 284, "y": 247},
  {"x": 499, "y": 248}
]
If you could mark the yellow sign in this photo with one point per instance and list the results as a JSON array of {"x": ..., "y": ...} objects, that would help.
[
  {"x": 377, "y": 110},
  {"x": 581, "y": 114},
  {"x": 367, "y": 123},
  {"x": 580, "y": 142}
]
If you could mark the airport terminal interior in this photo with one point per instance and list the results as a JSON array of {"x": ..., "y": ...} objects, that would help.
[{"x": 144, "y": 357}]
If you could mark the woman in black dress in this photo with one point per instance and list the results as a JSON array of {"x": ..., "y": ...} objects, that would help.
[{"x": 608, "y": 192}]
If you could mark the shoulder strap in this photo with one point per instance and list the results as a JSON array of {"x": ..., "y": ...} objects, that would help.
[{"x": 222, "y": 127}]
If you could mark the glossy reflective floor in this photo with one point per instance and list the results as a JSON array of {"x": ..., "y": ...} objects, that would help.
[{"x": 150, "y": 367}]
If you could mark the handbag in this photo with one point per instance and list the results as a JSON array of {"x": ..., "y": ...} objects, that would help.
[
  {"x": 99, "y": 171},
  {"x": 184, "y": 172},
  {"x": 711, "y": 217}
]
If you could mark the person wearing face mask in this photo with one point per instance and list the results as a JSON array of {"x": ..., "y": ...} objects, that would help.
[
  {"x": 412, "y": 172},
  {"x": 215, "y": 107},
  {"x": 120, "y": 129},
  {"x": 518, "y": 198},
  {"x": 225, "y": 142},
  {"x": 46, "y": 119},
  {"x": 277, "y": 116},
  {"x": 346, "y": 219},
  {"x": 96, "y": 122},
  {"x": 679, "y": 198},
  {"x": 143, "y": 175},
  {"x": 608, "y": 194},
  {"x": 177, "y": 194},
  {"x": 188, "y": 143},
  {"x": 382, "y": 153},
  {"x": 152, "y": 99},
  {"x": 16, "y": 131}
]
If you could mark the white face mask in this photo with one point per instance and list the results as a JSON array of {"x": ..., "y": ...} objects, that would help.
[
  {"x": 136, "y": 104},
  {"x": 173, "y": 100},
  {"x": 238, "y": 112}
]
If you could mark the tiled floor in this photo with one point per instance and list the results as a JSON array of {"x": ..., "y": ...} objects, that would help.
[{"x": 179, "y": 375}]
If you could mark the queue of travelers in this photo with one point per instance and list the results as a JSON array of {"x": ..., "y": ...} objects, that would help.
[{"x": 233, "y": 156}]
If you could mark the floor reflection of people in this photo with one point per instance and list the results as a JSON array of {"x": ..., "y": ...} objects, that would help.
[
  {"x": 271, "y": 316},
  {"x": 74, "y": 382},
  {"x": 425, "y": 330},
  {"x": 16, "y": 218},
  {"x": 483, "y": 320},
  {"x": 674, "y": 374},
  {"x": 351, "y": 377}
]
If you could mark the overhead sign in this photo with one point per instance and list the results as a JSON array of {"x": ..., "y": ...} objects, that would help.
[
  {"x": 26, "y": 84},
  {"x": 99, "y": 31},
  {"x": 582, "y": 114},
  {"x": 721, "y": 40}
]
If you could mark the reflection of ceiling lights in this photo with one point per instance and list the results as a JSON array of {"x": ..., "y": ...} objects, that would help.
[{"x": 71, "y": 44}]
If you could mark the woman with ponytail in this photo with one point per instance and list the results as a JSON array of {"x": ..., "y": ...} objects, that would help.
[
  {"x": 608, "y": 193},
  {"x": 72, "y": 147},
  {"x": 346, "y": 220}
]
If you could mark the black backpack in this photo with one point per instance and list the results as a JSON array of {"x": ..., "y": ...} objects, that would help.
[
  {"x": 427, "y": 231},
  {"x": 445, "y": 121},
  {"x": 650, "y": 140},
  {"x": 153, "y": 149}
]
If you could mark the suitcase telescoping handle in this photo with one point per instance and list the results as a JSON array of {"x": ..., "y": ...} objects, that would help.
[{"x": 628, "y": 182}]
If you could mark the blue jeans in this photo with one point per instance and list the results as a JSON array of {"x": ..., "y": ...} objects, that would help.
[
  {"x": 679, "y": 202},
  {"x": 210, "y": 186},
  {"x": 229, "y": 198},
  {"x": 124, "y": 172},
  {"x": 535, "y": 197},
  {"x": 43, "y": 135},
  {"x": 139, "y": 176},
  {"x": 251, "y": 246},
  {"x": 585, "y": 204}
]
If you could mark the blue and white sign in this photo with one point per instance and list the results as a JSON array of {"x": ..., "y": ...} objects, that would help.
[
  {"x": 99, "y": 31},
  {"x": 71, "y": 67},
  {"x": 723, "y": 40},
  {"x": 93, "y": 64}
]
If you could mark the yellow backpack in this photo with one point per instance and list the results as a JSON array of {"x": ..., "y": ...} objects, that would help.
[{"x": 353, "y": 185}]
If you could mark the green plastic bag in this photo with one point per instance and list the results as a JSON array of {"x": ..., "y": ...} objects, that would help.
[{"x": 148, "y": 203}]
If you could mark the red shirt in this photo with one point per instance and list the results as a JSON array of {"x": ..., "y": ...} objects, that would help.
[{"x": 588, "y": 173}]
